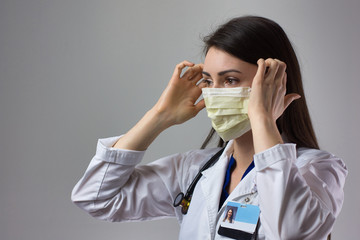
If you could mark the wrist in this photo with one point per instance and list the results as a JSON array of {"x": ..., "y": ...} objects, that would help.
[
  {"x": 144, "y": 132},
  {"x": 161, "y": 119},
  {"x": 265, "y": 133},
  {"x": 262, "y": 120}
]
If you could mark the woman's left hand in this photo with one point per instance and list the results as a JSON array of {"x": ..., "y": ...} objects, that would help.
[
  {"x": 268, "y": 91},
  {"x": 268, "y": 100}
]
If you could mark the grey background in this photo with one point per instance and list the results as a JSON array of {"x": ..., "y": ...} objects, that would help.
[{"x": 73, "y": 71}]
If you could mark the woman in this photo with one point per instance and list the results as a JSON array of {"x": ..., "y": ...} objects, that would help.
[
  {"x": 229, "y": 216},
  {"x": 276, "y": 166}
]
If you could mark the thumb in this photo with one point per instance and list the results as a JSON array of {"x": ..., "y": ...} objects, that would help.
[
  {"x": 289, "y": 98},
  {"x": 200, "y": 105}
]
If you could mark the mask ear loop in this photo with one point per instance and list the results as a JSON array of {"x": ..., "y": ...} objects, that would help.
[{"x": 184, "y": 200}]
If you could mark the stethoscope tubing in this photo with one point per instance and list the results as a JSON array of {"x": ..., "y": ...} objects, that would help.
[{"x": 181, "y": 199}]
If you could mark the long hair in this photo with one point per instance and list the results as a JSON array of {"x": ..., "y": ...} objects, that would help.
[{"x": 250, "y": 38}]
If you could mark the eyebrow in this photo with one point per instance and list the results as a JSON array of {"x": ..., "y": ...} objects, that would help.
[{"x": 222, "y": 72}]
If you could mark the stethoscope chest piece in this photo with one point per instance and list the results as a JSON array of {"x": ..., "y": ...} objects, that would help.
[{"x": 183, "y": 201}]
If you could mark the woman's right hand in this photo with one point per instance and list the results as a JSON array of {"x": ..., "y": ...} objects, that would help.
[{"x": 177, "y": 103}]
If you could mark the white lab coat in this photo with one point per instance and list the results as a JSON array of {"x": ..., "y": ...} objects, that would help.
[{"x": 299, "y": 191}]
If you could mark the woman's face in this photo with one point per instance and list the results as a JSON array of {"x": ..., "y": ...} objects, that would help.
[
  {"x": 230, "y": 212},
  {"x": 222, "y": 70}
]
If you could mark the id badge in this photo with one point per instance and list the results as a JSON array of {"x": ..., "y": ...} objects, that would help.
[{"x": 239, "y": 221}]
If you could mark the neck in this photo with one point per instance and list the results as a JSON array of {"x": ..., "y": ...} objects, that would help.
[{"x": 244, "y": 150}]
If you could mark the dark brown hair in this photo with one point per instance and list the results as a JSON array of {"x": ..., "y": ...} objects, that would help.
[{"x": 250, "y": 38}]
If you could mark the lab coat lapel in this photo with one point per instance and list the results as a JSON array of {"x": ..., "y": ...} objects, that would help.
[
  {"x": 212, "y": 183},
  {"x": 246, "y": 188}
]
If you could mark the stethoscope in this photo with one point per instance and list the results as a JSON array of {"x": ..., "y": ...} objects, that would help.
[{"x": 184, "y": 200}]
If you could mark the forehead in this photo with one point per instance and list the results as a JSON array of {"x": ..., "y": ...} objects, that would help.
[{"x": 218, "y": 60}]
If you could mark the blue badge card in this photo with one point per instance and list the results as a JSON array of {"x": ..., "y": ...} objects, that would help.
[{"x": 239, "y": 220}]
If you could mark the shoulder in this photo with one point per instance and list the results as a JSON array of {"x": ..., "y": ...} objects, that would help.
[
  {"x": 198, "y": 154},
  {"x": 325, "y": 174},
  {"x": 319, "y": 159},
  {"x": 186, "y": 163},
  {"x": 197, "y": 158},
  {"x": 310, "y": 155}
]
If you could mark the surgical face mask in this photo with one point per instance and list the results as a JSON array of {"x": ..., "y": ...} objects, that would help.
[{"x": 227, "y": 109}]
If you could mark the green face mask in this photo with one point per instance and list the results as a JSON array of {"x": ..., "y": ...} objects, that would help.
[{"x": 227, "y": 109}]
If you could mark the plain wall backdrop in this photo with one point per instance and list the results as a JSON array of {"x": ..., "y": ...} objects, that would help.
[{"x": 73, "y": 71}]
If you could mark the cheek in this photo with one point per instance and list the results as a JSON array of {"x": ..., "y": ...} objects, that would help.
[{"x": 250, "y": 79}]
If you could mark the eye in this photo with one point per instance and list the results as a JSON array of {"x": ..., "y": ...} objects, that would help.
[
  {"x": 207, "y": 82},
  {"x": 231, "y": 81}
]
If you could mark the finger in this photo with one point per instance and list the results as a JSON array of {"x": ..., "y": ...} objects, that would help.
[
  {"x": 273, "y": 67},
  {"x": 260, "y": 73},
  {"x": 179, "y": 67},
  {"x": 201, "y": 84},
  {"x": 281, "y": 84},
  {"x": 195, "y": 79},
  {"x": 284, "y": 81},
  {"x": 279, "y": 77},
  {"x": 198, "y": 68},
  {"x": 193, "y": 73}
]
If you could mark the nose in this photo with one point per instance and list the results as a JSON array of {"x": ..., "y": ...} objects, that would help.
[{"x": 217, "y": 84}]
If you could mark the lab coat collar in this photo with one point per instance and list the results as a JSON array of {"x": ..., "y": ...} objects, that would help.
[
  {"x": 220, "y": 165},
  {"x": 215, "y": 175},
  {"x": 212, "y": 183}
]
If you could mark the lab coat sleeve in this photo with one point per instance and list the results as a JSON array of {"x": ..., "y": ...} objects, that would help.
[
  {"x": 299, "y": 196},
  {"x": 113, "y": 188}
]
